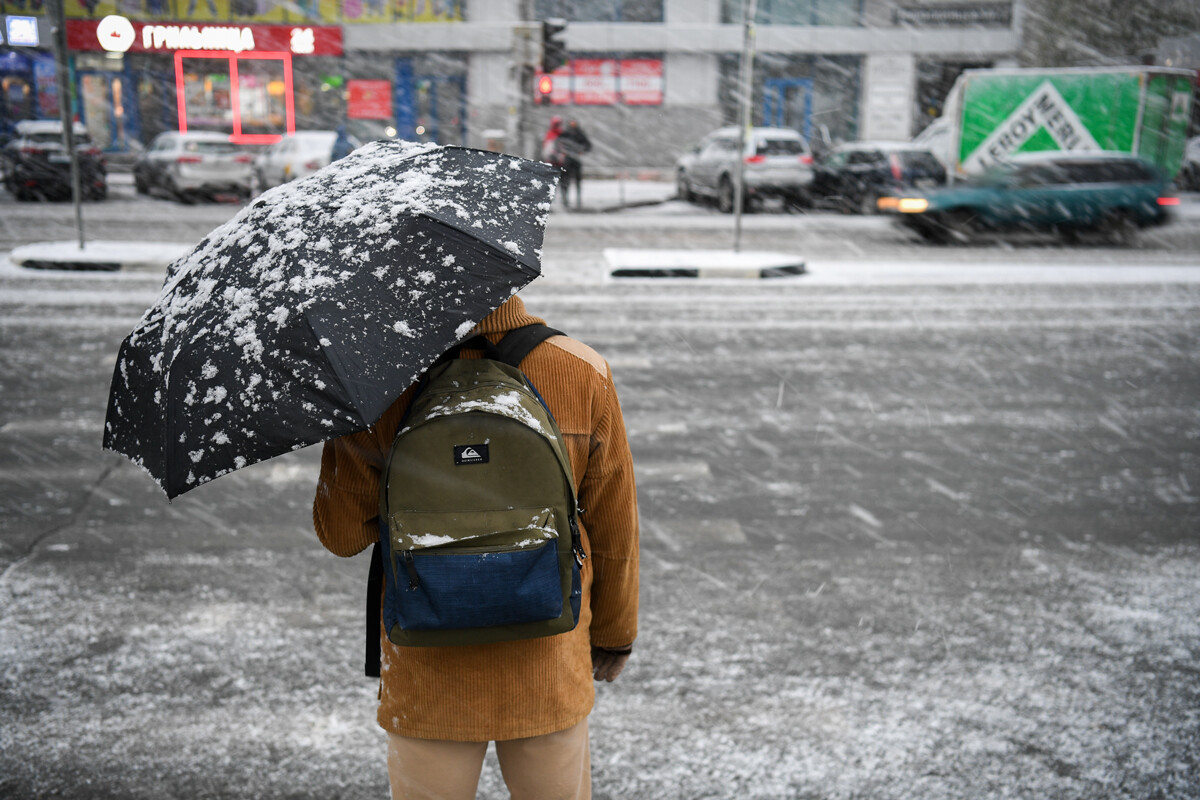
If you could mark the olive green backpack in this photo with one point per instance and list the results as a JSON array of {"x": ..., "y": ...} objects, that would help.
[{"x": 479, "y": 540}]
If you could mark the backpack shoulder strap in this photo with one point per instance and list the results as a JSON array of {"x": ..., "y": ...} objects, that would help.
[
  {"x": 519, "y": 342},
  {"x": 374, "y": 613}
]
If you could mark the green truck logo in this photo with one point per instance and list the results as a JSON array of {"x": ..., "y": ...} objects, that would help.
[
  {"x": 1045, "y": 109},
  {"x": 993, "y": 114}
]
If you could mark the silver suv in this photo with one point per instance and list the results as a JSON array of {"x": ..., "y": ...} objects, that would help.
[{"x": 778, "y": 162}]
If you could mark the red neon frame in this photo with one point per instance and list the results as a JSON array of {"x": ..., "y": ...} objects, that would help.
[{"x": 237, "y": 137}]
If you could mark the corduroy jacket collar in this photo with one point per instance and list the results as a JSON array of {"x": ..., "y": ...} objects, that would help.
[{"x": 511, "y": 314}]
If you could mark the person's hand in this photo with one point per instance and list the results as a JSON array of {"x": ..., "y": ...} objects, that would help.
[{"x": 608, "y": 663}]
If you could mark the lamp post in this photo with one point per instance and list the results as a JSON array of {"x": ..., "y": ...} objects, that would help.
[
  {"x": 64, "y": 109},
  {"x": 747, "y": 85}
]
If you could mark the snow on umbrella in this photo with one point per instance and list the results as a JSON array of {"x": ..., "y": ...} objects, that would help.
[{"x": 306, "y": 315}]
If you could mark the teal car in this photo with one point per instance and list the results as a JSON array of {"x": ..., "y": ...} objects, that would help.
[{"x": 1065, "y": 193}]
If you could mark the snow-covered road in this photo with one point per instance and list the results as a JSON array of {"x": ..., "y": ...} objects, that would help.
[{"x": 909, "y": 530}]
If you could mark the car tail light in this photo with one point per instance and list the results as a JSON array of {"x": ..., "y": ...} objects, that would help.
[
  {"x": 189, "y": 160},
  {"x": 29, "y": 150},
  {"x": 314, "y": 164},
  {"x": 807, "y": 160},
  {"x": 244, "y": 158},
  {"x": 897, "y": 172},
  {"x": 1168, "y": 201},
  {"x": 755, "y": 159}
]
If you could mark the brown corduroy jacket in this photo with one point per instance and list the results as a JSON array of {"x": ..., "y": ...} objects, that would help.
[{"x": 508, "y": 690}]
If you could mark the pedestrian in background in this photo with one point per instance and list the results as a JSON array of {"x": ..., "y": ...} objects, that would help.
[
  {"x": 441, "y": 706},
  {"x": 342, "y": 145},
  {"x": 570, "y": 146},
  {"x": 550, "y": 142}
]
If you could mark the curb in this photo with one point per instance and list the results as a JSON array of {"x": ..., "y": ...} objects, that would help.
[
  {"x": 629, "y": 263},
  {"x": 97, "y": 256}
]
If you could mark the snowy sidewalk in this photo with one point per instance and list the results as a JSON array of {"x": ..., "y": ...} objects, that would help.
[{"x": 599, "y": 196}]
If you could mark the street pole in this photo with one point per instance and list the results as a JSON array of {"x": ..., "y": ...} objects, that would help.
[
  {"x": 64, "y": 108},
  {"x": 523, "y": 58},
  {"x": 747, "y": 85}
]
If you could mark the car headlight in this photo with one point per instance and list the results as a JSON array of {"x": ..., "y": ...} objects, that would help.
[{"x": 912, "y": 205}]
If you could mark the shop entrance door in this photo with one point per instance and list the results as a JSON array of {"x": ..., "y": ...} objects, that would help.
[
  {"x": 787, "y": 103},
  {"x": 18, "y": 93},
  {"x": 110, "y": 109},
  {"x": 430, "y": 108}
]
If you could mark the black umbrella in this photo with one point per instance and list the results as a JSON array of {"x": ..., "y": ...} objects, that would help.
[{"x": 307, "y": 314}]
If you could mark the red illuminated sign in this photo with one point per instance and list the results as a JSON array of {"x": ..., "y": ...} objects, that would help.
[
  {"x": 642, "y": 81},
  {"x": 603, "y": 82},
  {"x": 595, "y": 81},
  {"x": 83, "y": 35},
  {"x": 368, "y": 99}
]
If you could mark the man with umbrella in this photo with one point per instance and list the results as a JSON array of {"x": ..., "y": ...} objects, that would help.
[
  {"x": 442, "y": 705},
  {"x": 302, "y": 320}
]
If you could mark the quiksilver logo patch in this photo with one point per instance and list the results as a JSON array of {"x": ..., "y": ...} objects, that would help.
[{"x": 470, "y": 454}]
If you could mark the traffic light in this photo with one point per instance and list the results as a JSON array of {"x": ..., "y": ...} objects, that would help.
[
  {"x": 554, "y": 49},
  {"x": 545, "y": 87}
]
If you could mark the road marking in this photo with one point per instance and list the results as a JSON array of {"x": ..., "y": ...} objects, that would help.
[
  {"x": 629, "y": 362},
  {"x": 864, "y": 515},
  {"x": 52, "y": 425},
  {"x": 672, "y": 471},
  {"x": 678, "y": 534}
]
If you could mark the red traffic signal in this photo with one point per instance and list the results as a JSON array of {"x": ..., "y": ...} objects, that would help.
[{"x": 545, "y": 85}]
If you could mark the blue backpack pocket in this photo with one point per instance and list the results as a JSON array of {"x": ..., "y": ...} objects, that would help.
[
  {"x": 478, "y": 590},
  {"x": 521, "y": 577}
]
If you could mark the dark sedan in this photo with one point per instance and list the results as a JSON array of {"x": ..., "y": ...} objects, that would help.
[
  {"x": 36, "y": 164},
  {"x": 1114, "y": 194},
  {"x": 854, "y": 176}
]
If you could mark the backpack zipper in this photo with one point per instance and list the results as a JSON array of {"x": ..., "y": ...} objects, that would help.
[
  {"x": 577, "y": 543},
  {"x": 411, "y": 567}
]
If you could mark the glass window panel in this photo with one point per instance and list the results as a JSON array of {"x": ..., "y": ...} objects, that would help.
[
  {"x": 844, "y": 13},
  {"x": 600, "y": 10},
  {"x": 642, "y": 11},
  {"x": 785, "y": 12},
  {"x": 797, "y": 12}
]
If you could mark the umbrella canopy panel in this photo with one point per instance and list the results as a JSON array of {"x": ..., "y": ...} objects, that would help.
[{"x": 308, "y": 313}]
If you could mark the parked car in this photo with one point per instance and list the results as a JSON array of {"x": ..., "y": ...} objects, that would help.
[
  {"x": 1067, "y": 193},
  {"x": 296, "y": 156},
  {"x": 1188, "y": 179},
  {"x": 35, "y": 163},
  {"x": 854, "y": 176},
  {"x": 777, "y": 161},
  {"x": 196, "y": 164}
]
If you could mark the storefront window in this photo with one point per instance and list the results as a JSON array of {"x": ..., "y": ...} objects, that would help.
[
  {"x": 843, "y": 13},
  {"x": 207, "y": 96},
  {"x": 601, "y": 10},
  {"x": 16, "y": 97},
  {"x": 261, "y": 90}
]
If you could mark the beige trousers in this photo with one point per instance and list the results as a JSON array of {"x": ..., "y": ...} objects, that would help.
[{"x": 556, "y": 766}]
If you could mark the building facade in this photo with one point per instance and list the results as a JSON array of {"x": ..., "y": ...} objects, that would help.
[{"x": 645, "y": 78}]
